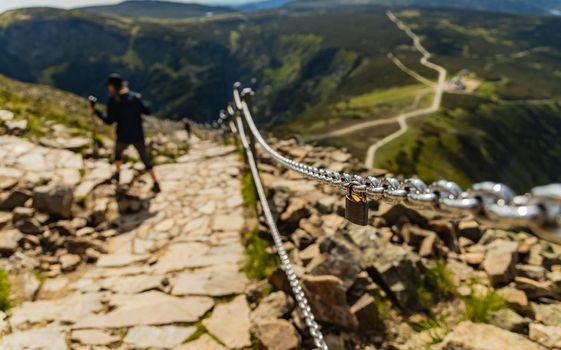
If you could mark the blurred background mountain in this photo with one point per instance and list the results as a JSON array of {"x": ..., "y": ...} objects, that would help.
[{"x": 320, "y": 65}]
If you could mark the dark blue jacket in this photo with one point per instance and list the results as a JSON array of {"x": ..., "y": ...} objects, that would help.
[{"x": 127, "y": 113}]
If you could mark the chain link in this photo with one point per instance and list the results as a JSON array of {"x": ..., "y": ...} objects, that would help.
[{"x": 493, "y": 203}]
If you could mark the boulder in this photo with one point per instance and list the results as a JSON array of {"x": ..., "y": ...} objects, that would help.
[
  {"x": 297, "y": 209},
  {"x": 500, "y": 261},
  {"x": 6, "y": 115},
  {"x": 531, "y": 271},
  {"x": 21, "y": 213},
  {"x": 277, "y": 334},
  {"x": 427, "y": 247},
  {"x": 400, "y": 214},
  {"x": 513, "y": 296},
  {"x": 509, "y": 320},
  {"x": 328, "y": 300},
  {"x": 279, "y": 201},
  {"x": 336, "y": 259},
  {"x": 278, "y": 279},
  {"x": 13, "y": 199},
  {"x": 69, "y": 262},
  {"x": 5, "y": 219},
  {"x": 54, "y": 200},
  {"x": 302, "y": 239},
  {"x": 9, "y": 242},
  {"x": 398, "y": 269},
  {"x": 548, "y": 336},
  {"x": 537, "y": 289},
  {"x": 79, "y": 245},
  {"x": 30, "y": 226},
  {"x": 16, "y": 126},
  {"x": 478, "y": 336},
  {"x": 312, "y": 227},
  {"x": 275, "y": 305},
  {"x": 366, "y": 313},
  {"x": 548, "y": 314},
  {"x": 98, "y": 213},
  {"x": 470, "y": 229}
]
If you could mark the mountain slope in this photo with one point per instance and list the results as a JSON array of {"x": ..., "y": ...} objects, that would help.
[
  {"x": 158, "y": 9},
  {"x": 42, "y": 105},
  {"x": 262, "y": 5},
  {"x": 315, "y": 72},
  {"x": 534, "y": 7}
]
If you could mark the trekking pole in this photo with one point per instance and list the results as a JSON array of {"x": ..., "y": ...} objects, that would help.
[{"x": 93, "y": 101}]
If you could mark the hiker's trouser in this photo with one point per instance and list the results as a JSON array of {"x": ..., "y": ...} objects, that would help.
[{"x": 140, "y": 146}]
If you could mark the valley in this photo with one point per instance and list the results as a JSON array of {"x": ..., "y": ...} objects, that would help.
[{"x": 344, "y": 76}]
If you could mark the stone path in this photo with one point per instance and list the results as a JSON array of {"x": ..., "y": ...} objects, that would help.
[{"x": 173, "y": 282}]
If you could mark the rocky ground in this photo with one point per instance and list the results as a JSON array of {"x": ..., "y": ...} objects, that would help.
[
  {"x": 193, "y": 267},
  {"x": 411, "y": 280}
]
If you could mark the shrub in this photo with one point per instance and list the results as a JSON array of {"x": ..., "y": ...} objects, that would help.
[
  {"x": 436, "y": 284},
  {"x": 478, "y": 308}
]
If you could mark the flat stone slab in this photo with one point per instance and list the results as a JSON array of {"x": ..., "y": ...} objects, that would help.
[
  {"x": 120, "y": 260},
  {"x": 165, "y": 337},
  {"x": 41, "y": 338},
  {"x": 150, "y": 308},
  {"x": 230, "y": 323},
  {"x": 53, "y": 285},
  {"x": 94, "y": 337},
  {"x": 179, "y": 256},
  {"x": 231, "y": 222},
  {"x": 478, "y": 336},
  {"x": 133, "y": 284},
  {"x": 69, "y": 309},
  {"x": 204, "y": 342},
  {"x": 215, "y": 282}
]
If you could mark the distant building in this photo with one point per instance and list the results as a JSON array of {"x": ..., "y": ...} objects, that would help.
[{"x": 457, "y": 84}]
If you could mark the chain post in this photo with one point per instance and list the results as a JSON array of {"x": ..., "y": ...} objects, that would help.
[{"x": 247, "y": 97}]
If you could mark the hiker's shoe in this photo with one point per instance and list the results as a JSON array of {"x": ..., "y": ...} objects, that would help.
[
  {"x": 117, "y": 178},
  {"x": 119, "y": 192},
  {"x": 156, "y": 188}
]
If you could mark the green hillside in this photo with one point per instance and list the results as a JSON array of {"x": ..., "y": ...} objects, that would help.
[
  {"x": 475, "y": 139},
  {"x": 187, "y": 68},
  {"x": 534, "y": 7},
  {"x": 317, "y": 71},
  {"x": 43, "y": 106}
]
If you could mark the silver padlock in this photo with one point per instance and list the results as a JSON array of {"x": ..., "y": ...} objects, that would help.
[{"x": 356, "y": 208}]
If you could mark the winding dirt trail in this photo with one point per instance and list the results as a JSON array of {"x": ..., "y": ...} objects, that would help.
[{"x": 402, "y": 118}]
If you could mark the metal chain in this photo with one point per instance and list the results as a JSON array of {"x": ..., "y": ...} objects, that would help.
[
  {"x": 297, "y": 290},
  {"x": 494, "y": 203}
]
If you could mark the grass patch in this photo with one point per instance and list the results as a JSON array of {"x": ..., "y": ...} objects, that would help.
[
  {"x": 436, "y": 285},
  {"x": 5, "y": 303},
  {"x": 198, "y": 333},
  {"x": 248, "y": 191},
  {"x": 380, "y": 301},
  {"x": 478, "y": 308},
  {"x": 396, "y": 95},
  {"x": 435, "y": 328},
  {"x": 259, "y": 264}
]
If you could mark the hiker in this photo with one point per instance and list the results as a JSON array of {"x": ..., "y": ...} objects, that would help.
[
  {"x": 187, "y": 126},
  {"x": 126, "y": 108}
]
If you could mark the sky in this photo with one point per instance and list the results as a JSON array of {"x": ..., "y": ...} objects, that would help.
[{"x": 11, "y": 4}]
